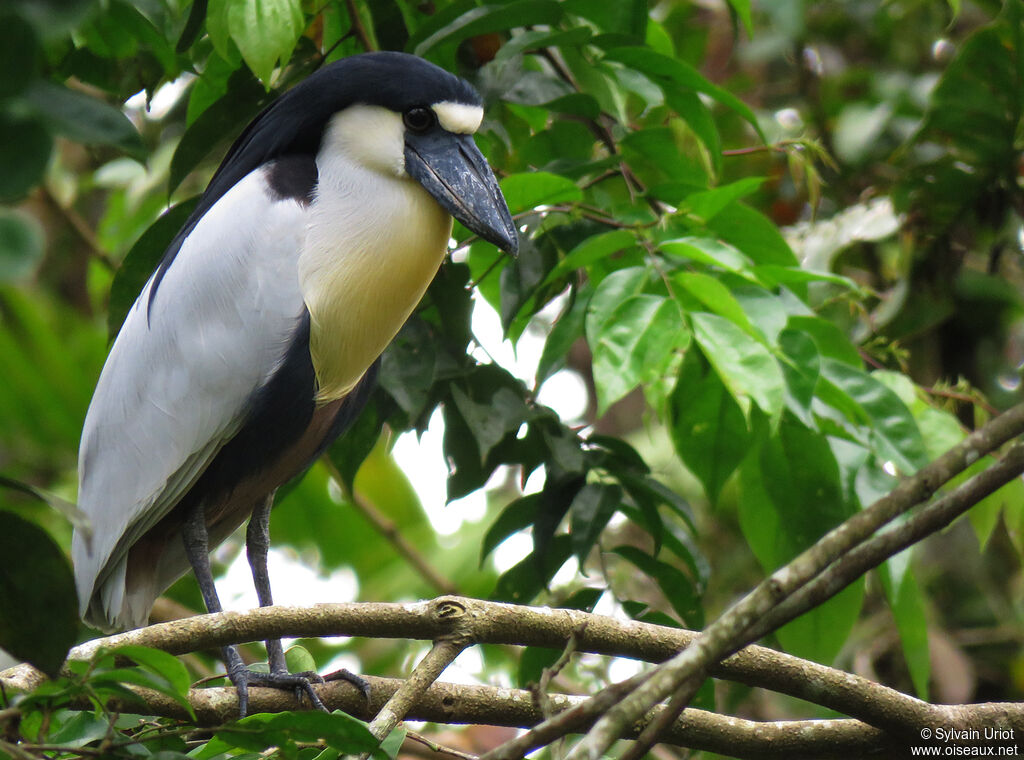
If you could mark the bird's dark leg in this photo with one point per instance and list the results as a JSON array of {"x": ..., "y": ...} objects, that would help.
[
  {"x": 198, "y": 551},
  {"x": 197, "y": 548},
  {"x": 257, "y": 545}
]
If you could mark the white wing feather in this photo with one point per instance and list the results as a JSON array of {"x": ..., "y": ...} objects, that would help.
[{"x": 176, "y": 383}]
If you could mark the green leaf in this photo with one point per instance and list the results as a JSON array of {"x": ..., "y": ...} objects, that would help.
[
  {"x": 707, "y": 251},
  {"x": 532, "y": 663},
  {"x": 538, "y": 39},
  {"x": 392, "y": 744},
  {"x": 575, "y": 104},
  {"x": 708, "y": 428},
  {"x": 265, "y": 31},
  {"x": 69, "y": 511},
  {"x": 752, "y": 233},
  {"x": 222, "y": 119},
  {"x": 351, "y": 449},
  {"x": 591, "y": 510},
  {"x": 706, "y": 204},
  {"x": 165, "y": 665},
  {"x": 635, "y": 343},
  {"x": 801, "y": 366},
  {"x": 22, "y": 244},
  {"x": 217, "y": 28},
  {"x": 284, "y": 730},
  {"x": 134, "y": 23},
  {"x": 25, "y": 145},
  {"x": 565, "y": 332},
  {"x": 517, "y": 516},
  {"x": 493, "y": 18},
  {"x": 524, "y": 192},
  {"x": 768, "y": 312},
  {"x": 714, "y": 295},
  {"x": 83, "y": 118},
  {"x": 408, "y": 367},
  {"x": 194, "y": 24},
  {"x": 698, "y": 118},
  {"x": 594, "y": 248},
  {"x": 677, "y": 587},
  {"x": 894, "y": 431},
  {"x": 772, "y": 275},
  {"x": 80, "y": 729},
  {"x": 19, "y": 54},
  {"x": 612, "y": 291},
  {"x": 299, "y": 660},
  {"x": 790, "y": 495},
  {"x": 656, "y": 150},
  {"x": 742, "y": 9},
  {"x": 908, "y": 609},
  {"x": 142, "y": 260},
  {"x": 522, "y": 583},
  {"x": 53, "y": 18},
  {"x": 941, "y": 431},
  {"x": 831, "y": 342},
  {"x": 627, "y": 17},
  {"x": 662, "y": 69},
  {"x": 38, "y": 621},
  {"x": 745, "y": 366},
  {"x": 491, "y": 419}
]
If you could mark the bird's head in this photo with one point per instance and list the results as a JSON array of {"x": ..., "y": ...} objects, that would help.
[{"x": 393, "y": 113}]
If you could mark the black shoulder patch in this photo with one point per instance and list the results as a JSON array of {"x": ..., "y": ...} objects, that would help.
[{"x": 293, "y": 177}]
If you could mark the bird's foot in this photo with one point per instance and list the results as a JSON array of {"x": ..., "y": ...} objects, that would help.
[
  {"x": 352, "y": 678},
  {"x": 302, "y": 684}
]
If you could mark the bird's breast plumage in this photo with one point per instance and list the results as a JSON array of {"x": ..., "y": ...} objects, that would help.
[{"x": 374, "y": 241}]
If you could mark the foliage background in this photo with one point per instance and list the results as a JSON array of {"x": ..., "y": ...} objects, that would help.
[{"x": 779, "y": 243}]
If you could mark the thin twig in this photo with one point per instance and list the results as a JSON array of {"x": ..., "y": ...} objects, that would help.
[
  {"x": 81, "y": 228},
  {"x": 540, "y": 690},
  {"x": 389, "y": 530},
  {"x": 357, "y": 26},
  {"x": 964, "y": 397},
  {"x": 439, "y": 748}
]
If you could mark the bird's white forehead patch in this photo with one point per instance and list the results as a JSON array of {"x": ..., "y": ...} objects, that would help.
[{"x": 459, "y": 118}]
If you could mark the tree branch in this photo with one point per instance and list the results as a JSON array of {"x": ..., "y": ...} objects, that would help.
[
  {"x": 682, "y": 674},
  {"x": 490, "y": 622},
  {"x": 429, "y": 669},
  {"x": 488, "y": 705},
  {"x": 496, "y": 623}
]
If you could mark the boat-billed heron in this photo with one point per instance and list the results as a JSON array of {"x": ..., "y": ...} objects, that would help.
[{"x": 256, "y": 340}]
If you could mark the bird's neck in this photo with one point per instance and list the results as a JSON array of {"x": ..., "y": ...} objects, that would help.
[{"x": 373, "y": 244}]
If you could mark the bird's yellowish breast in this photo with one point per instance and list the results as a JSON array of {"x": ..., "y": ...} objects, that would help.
[{"x": 373, "y": 245}]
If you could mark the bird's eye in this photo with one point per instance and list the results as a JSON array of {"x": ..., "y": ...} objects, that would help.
[{"x": 419, "y": 119}]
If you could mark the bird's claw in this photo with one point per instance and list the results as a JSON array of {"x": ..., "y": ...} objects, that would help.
[
  {"x": 301, "y": 683},
  {"x": 352, "y": 678}
]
